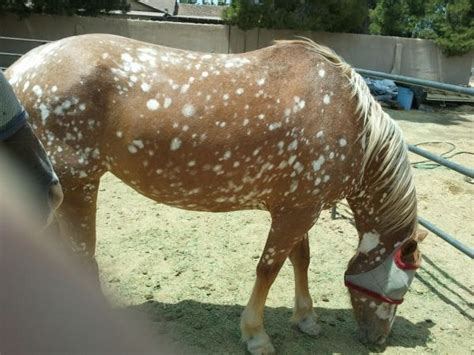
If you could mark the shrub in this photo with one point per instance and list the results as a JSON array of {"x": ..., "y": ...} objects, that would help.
[{"x": 313, "y": 15}]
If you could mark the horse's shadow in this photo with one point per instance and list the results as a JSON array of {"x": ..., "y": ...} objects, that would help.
[{"x": 211, "y": 328}]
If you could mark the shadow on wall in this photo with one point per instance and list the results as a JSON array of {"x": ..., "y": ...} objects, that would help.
[{"x": 212, "y": 328}]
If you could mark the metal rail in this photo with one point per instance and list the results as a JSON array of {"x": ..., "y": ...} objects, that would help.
[
  {"x": 24, "y": 39},
  {"x": 417, "y": 82},
  {"x": 427, "y": 224},
  {"x": 442, "y": 161},
  {"x": 435, "y": 230},
  {"x": 11, "y": 54},
  {"x": 18, "y": 39},
  {"x": 446, "y": 237}
]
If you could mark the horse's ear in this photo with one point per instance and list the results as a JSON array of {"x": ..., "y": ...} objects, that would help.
[
  {"x": 420, "y": 235},
  {"x": 409, "y": 247},
  {"x": 410, "y": 253}
]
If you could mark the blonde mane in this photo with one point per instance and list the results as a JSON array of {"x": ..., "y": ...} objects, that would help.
[{"x": 380, "y": 134}]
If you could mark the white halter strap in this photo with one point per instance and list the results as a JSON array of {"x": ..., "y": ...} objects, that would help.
[
  {"x": 387, "y": 282},
  {"x": 12, "y": 114}
]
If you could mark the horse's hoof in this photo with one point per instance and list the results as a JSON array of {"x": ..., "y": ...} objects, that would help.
[
  {"x": 310, "y": 326},
  {"x": 260, "y": 345}
]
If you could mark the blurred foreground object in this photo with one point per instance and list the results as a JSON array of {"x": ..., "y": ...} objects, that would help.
[{"x": 47, "y": 305}]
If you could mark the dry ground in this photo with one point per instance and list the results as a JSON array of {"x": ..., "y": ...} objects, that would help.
[{"x": 192, "y": 273}]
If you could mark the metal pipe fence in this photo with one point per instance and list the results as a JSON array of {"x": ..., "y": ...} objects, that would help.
[
  {"x": 446, "y": 237},
  {"x": 417, "y": 82},
  {"x": 19, "y": 39},
  {"x": 7, "y": 54},
  {"x": 442, "y": 161},
  {"x": 7, "y": 57}
]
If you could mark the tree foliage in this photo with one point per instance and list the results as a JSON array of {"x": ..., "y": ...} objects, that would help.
[
  {"x": 455, "y": 27},
  {"x": 63, "y": 7},
  {"x": 313, "y": 15},
  {"x": 450, "y": 23}
]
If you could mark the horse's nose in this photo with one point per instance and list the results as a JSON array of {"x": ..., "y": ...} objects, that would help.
[{"x": 56, "y": 195}]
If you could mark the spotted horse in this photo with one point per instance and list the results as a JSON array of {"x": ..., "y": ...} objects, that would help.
[{"x": 289, "y": 129}]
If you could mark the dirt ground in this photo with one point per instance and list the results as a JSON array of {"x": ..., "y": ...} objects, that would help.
[{"x": 192, "y": 273}]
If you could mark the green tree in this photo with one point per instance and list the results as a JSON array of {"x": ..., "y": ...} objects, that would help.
[
  {"x": 453, "y": 25},
  {"x": 18, "y": 6},
  {"x": 450, "y": 23},
  {"x": 316, "y": 15}
]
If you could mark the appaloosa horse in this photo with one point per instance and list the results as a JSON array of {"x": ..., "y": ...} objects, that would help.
[
  {"x": 24, "y": 164},
  {"x": 289, "y": 129}
]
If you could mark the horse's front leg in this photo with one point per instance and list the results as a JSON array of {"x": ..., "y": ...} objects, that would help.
[
  {"x": 303, "y": 313},
  {"x": 286, "y": 232}
]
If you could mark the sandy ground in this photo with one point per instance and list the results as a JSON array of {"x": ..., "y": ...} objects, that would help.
[{"x": 192, "y": 273}]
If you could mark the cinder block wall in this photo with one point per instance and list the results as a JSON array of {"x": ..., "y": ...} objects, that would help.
[{"x": 406, "y": 56}]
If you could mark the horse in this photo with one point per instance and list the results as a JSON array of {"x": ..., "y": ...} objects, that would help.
[
  {"x": 289, "y": 129},
  {"x": 23, "y": 157}
]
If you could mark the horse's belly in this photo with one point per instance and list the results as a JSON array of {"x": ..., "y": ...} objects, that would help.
[
  {"x": 199, "y": 198},
  {"x": 223, "y": 188}
]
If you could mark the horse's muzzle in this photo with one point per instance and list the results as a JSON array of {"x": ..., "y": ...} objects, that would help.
[{"x": 371, "y": 338}]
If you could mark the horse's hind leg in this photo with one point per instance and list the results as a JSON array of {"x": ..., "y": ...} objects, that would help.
[
  {"x": 287, "y": 231},
  {"x": 303, "y": 313},
  {"x": 77, "y": 219}
]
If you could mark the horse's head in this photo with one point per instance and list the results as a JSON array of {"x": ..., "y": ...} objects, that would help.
[
  {"x": 377, "y": 292},
  {"x": 24, "y": 157}
]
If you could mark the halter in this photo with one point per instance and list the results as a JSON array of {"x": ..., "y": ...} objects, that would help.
[
  {"x": 387, "y": 282},
  {"x": 12, "y": 114}
]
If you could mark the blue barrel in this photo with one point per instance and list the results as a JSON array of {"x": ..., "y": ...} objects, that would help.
[{"x": 405, "y": 97}]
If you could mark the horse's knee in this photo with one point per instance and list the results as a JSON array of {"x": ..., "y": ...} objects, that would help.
[
  {"x": 267, "y": 269},
  {"x": 299, "y": 259}
]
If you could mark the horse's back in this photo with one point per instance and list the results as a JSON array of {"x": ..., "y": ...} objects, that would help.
[{"x": 269, "y": 125}]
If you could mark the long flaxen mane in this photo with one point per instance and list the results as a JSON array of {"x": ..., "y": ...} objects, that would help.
[{"x": 380, "y": 134}]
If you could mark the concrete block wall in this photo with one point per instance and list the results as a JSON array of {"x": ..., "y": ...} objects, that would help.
[
  {"x": 198, "y": 37},
  {"x": 406, "y": 56}
]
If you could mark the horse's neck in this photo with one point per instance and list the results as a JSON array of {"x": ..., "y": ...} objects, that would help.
[{"x": 370, "y": 210}]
